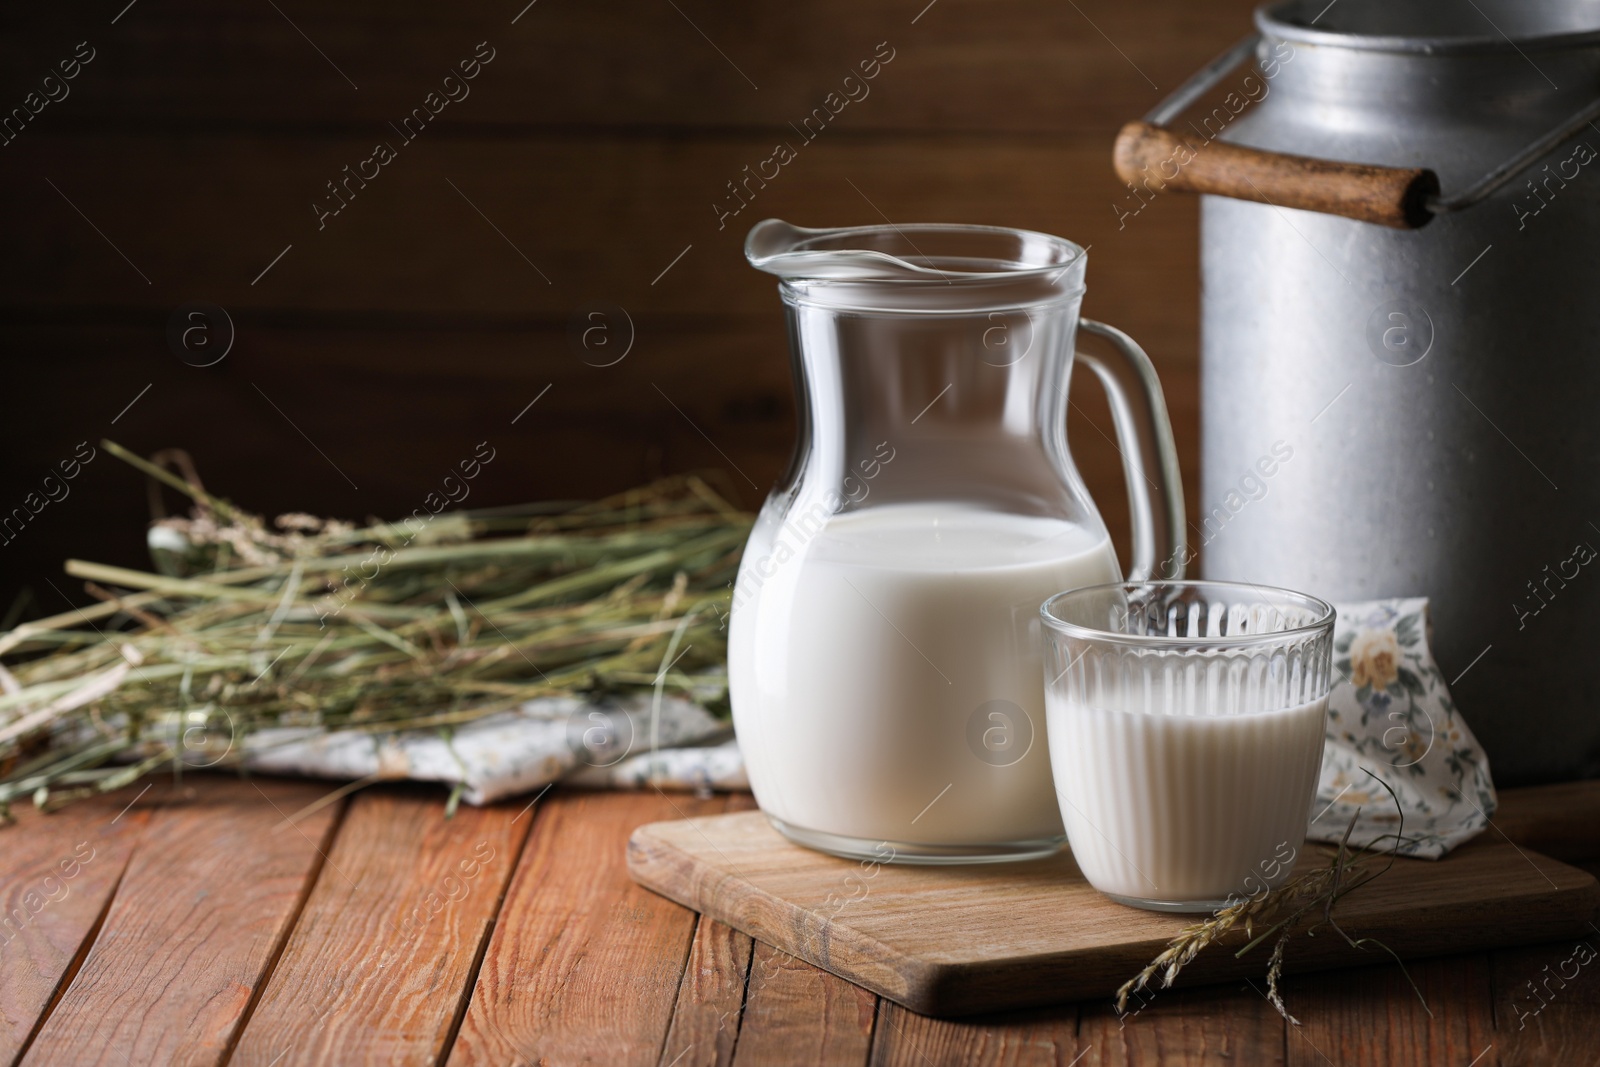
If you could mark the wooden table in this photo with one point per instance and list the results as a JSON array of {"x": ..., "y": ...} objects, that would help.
[{"x": 241, "y": 921}]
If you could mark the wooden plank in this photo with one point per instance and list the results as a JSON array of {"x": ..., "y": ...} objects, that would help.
[
  {"x": 1045, "y": 1037},
  {"x": 583, "y": 966},
  {"x": 199, "y": 918},
  {"x": 1372, "y": 1016},
  {"x": 799, "y": 1014},
  {"x": 1561, "y": 820},
  {"x": 1030, "y": 65},
  {"x": 1224, "y": 1024},
  {"x": 601, "y": 217},
  {"x": 710, "y": 1005},
  {"x": 1547, "y": 1004},
  {"x": 380, "y": 963},
  {"x": 61, "y": 871},
  {"x": 1016, "y": 935}
]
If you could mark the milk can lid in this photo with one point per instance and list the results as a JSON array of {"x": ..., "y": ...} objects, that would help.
[{"x": 1434, "y": 26}]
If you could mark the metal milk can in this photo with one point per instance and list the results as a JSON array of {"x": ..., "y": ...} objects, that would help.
[{"x": 1401, "y": 333}]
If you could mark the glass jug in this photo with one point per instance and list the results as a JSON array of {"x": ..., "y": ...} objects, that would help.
[{"x": 885, "y": 656}]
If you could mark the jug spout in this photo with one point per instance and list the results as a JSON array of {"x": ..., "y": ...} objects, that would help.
[
  {"x": 950, "y": 348},
  {"x": 926, "y": 266}
]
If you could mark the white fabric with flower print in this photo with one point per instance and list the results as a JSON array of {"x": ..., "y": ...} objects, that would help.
[{"x": 1390, "y": 713}]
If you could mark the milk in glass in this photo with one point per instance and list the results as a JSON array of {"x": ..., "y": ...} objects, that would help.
[{"x": 1181, "y": 805}]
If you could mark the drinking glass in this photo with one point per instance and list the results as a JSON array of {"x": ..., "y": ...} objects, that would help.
[{"x": 1185, "y": 722}]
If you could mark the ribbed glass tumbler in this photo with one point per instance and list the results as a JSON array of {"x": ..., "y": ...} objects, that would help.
[{"x": 1186, "y": 723}]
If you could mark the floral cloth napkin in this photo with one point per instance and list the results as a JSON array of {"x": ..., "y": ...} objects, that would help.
[
  {"x": 629, "y": 741},
  {"x": 1390, "y": 714},
  {"x": 702, "y": 768}
]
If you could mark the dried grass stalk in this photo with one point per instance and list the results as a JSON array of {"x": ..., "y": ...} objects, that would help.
[{"x": 388, "y": 627}]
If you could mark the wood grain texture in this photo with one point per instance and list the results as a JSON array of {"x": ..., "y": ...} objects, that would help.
[
  {"x": 1038, "y": 1038},
  {"x": 1159, "y": 160},
  {"x": 1371, "y": 1016},
  {"x": 584, "y": 966},
  {"x": 384, "y": 953},
  {"x": 1225, "y": 1024},
  {"x": 964, "y": 64},
  {"x": 1022, "y": 934},
  {"x": 202, "y": 911},
  {"x": 799, "y": 1014},
  {"x": 789, "y": 1012},
  {"x": 710, "y": 1005},
  {"x": 1547, "y": 1004},
  {"x": 1562, "y": 821},
  {"x": 60, "y": 871},
  {"x": 579, "y": 218}
]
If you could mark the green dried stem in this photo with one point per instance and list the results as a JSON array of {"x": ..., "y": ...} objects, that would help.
[
  {"x": 222, "y": 508},
  {"x": 395, "y": 626}
]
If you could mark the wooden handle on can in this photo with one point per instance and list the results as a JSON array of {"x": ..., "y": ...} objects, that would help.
[{"x": 1159, "y": 159}]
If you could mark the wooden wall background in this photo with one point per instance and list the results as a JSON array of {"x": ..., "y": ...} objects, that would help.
[{"x": 378, "y": 351}]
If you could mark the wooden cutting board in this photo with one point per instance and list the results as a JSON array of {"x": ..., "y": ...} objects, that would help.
[{"x": 959, "y": 940}]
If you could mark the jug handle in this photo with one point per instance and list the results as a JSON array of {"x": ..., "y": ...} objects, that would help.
[{"x": 1149, "y": 456}]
